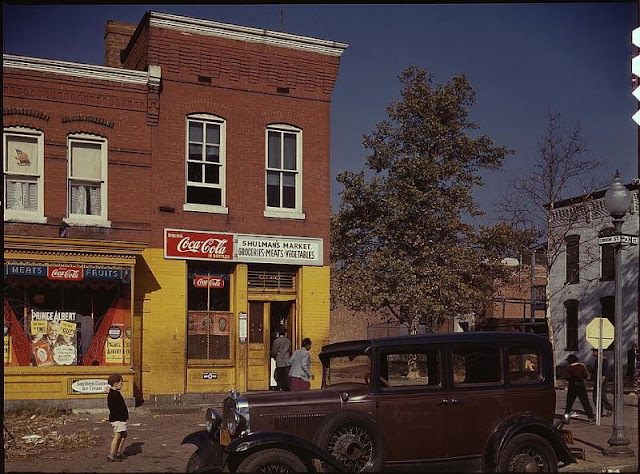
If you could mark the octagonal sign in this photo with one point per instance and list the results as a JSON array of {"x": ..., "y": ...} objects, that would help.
[{"x": 593, "y": 332}]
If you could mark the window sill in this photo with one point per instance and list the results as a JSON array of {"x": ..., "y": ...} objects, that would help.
[
  {"x": 86, "y": 221},
  {"x": 25, "y": 217},
  {"x": 284, "y": 214},
  {"x": 205, "y": 208}
]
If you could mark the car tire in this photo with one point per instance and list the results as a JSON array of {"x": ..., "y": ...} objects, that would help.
[
  {"x": 354, "y": 439},
  {"x": 525, "y": 452},
  {"x": 193, "y": 463},
  {"x": 272, "y": 460}
]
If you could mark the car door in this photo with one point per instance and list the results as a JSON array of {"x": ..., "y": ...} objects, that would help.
[
  {"x": 411, "y": 405},
  {"x": 478, "y": 396}
]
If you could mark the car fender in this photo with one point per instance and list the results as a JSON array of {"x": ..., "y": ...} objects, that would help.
[
  {"x": 209, "y": 449},
  {"x": 525, "y": 423},
  {"x": 247, "y": 444}
]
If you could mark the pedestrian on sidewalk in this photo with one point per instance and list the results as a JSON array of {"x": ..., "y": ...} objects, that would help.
[
  {"x": 577, "y": 373},
  {"x": 300, "y": 371},
  {"x": 631, "y": 363},
  {"x": 281, "y": 352},
  {"x": 605, "y": 405},
  {"x": 118, "y": 416}
]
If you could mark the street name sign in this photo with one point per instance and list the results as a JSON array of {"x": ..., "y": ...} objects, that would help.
[
  {"x": 618, "y": 239},
  {"x": 593, "y": 333}
]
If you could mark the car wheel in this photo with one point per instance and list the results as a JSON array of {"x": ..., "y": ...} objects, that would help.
[
  {"x": 528, "y": 452},
  {"x": 193, "y": 463},
  {"x": 272, "y": 460},
  {"x": 354, "y": 439}
]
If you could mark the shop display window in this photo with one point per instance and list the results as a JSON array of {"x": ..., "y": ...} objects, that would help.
[
  {"x": 65, "y": 323},
  {"x": 209, "y": 317}
]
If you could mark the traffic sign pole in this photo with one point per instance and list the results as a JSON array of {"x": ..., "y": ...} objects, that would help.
[{"x": 599, "y": 375}]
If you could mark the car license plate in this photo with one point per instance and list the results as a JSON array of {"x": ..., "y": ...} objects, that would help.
[
  {"x": 225, "y": 437},
  {"x": 568, "y": 436}
]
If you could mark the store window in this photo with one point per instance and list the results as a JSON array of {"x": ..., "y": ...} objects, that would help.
[
  {"x": 205, "y": 164},
  {"x": 23, "y": 174},
  {"x": 59, "y": 317},
  {"x": 284, "y": 172},
  {"x": 87, "y": 187},
  {"x": 209, "y": 318}
]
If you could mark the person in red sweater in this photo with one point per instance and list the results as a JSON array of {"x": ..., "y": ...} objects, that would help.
[
  {"x": 118, "y": 416},
  {"x": 576, "y": 375}
]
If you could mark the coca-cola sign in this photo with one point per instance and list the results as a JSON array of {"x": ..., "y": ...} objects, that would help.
[
  {"x": 64, "y": 273},
  {"x": 191, "y": 245},
  {"x": 208, "y": 281}
]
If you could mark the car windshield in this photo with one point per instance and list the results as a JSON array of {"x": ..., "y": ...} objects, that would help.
[{"x": 353, "y": 368}]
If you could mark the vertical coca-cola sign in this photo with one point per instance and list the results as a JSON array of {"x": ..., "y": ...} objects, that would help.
[{"x": 192, "y": 245}]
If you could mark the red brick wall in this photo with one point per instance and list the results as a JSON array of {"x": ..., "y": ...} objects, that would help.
[{"x": 116, "y": 37}]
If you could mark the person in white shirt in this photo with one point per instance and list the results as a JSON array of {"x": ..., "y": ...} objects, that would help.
[{"x": 300, "y": 372}]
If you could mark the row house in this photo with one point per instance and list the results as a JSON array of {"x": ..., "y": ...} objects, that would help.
[{"x": 165, "y": 212}]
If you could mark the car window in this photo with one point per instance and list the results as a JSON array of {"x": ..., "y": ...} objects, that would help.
[
  {"x": 476, "y": 365},
  {"x": 523, "y": 364},
  {"x": 354, "y": 368},
  {"x": 402, "y": 369}
]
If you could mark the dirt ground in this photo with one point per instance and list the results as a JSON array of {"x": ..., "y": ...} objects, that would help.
[{"x": 80, "y": 443}]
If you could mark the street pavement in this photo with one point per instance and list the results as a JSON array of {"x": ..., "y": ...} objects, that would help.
[{"x": 155, "y": 434}]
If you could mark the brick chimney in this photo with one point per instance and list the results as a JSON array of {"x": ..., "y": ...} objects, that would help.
[{"x": 116, "y": 38}]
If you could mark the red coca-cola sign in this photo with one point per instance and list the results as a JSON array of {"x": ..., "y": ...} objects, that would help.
[
  {"x": 208, "y": 281},
  {"x": 64, "y": 273},
  {"x": 191, "y": 245}
]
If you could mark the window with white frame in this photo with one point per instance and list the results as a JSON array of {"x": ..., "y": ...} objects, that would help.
[
  {"x": 23, "y": 174},
  {"x": 87, "y": 189},
  {"x": 205, "y": 164},
  {"x": 284, "y": 171}
]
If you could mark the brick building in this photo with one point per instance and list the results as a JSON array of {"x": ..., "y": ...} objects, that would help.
[{"x": 165, "y": 212}]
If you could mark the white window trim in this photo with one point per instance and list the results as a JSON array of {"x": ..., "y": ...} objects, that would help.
[
  {"x": 82, "y": 220},
  {"x": 12, "y": 215},
  {"x": 279, "y": 212},
  {"x": 195, "y": 207}
]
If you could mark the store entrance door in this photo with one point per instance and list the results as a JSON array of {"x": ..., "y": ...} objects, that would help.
[{"x": 264, "y": 318}]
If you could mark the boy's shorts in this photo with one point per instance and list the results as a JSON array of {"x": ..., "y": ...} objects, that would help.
[{"x": 119, "y": 426}]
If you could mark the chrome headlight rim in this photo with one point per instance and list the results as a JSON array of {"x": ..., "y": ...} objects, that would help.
[
  {"x": 212, "y": 420},
  {"x": 233, "y": 421}
]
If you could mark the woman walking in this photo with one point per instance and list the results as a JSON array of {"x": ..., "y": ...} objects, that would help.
[{"x": 300, "y": 363}]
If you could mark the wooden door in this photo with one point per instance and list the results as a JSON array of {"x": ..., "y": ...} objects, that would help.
[{"x": 259, "y": 365}]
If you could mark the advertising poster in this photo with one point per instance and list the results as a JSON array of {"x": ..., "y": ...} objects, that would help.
[
  {"x": 53, "y": 338},
  {"x": 114, "y": 345},
  {"x": 7, "y": 346}
]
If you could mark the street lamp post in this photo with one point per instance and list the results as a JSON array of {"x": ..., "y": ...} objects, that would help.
[{"x": 617, "y": 200}]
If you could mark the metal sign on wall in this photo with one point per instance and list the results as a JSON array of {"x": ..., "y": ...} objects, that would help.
[{"x": 247, "y": 248}]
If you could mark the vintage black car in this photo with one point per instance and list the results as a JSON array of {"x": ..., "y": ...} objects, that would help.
[{"x": 479, "y": 400}]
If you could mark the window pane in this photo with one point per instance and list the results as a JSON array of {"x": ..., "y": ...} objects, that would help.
[
  {"x": 195, "y": 152},
  {"x": 289, "y": 191},
  {"x": 289, "y": 151},
  {"x": 22, "y": 155},
  {"x": 86, "y": 161},
  {"x": 194, "y": 172},
  {"x": 95, "y": 201},
  {"x": 273, "y": 189},
  {"x": 78, "y": 200},
  {"x": 212, "y": 174},
  {"x": 213, "y": 134},
  {"x": 274, "y": 150},
  {"x": 210, "y": 196},
  {"x": 524, "y": 364},
  {"x": 195, "y": 132},
  {"x": 213, "y": 154},
  {"x": 477, "y": 365},
  {"x": 22, "y": 195}
]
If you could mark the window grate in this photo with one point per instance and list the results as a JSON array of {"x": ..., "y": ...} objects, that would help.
[{"x": 272, "y": 280}]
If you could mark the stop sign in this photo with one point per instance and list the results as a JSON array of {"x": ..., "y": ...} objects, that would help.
[{"x": 593, "y": 332}]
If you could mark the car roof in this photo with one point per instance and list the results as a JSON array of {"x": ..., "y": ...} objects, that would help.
[{"x": 346, "y": 347}]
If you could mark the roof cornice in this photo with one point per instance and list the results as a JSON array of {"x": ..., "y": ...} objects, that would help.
[
  {"x": 245, "y": 33},
  {"x": 90, "y": 71}
]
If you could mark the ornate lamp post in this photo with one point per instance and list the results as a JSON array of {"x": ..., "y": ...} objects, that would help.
[{"x": 617, "y": 200}]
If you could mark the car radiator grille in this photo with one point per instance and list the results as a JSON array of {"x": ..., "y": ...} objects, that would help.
[{"x": 302, "y": 424}]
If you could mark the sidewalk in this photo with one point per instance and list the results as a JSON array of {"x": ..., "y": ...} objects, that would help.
[{"x": 593, "y": 439}]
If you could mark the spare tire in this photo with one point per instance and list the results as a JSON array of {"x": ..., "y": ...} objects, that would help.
[{"x": 354, "y": 439}]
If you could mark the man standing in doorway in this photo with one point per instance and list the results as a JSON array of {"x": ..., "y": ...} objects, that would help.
[
  {"x": 594, "y": 378},
  {"x": 281, "y": 352}
]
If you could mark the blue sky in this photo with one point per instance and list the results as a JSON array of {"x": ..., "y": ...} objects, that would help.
[{"x": 522, "y": 59}]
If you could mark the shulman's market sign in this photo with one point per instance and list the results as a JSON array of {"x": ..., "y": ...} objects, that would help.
[{"x": 197, "y": 245}]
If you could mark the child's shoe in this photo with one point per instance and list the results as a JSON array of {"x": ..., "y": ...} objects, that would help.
[
  {"x": 113, "y": 458},
  {"x": 120, "y": 456}
]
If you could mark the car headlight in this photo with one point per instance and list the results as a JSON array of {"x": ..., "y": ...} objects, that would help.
[
  {"x": 233, "y": 421},
  {"x": 212, "y": 420}
]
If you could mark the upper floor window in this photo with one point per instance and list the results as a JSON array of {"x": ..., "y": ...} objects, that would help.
[
  {"x": 284, "y": 172},
  {"x": 205, "y": 164},
  {"x": 23, "y": 175},
  {"x": 87, "y": 189},
  {"x": 573, "y": 259},
  {"x": 571, "y": 321}
]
